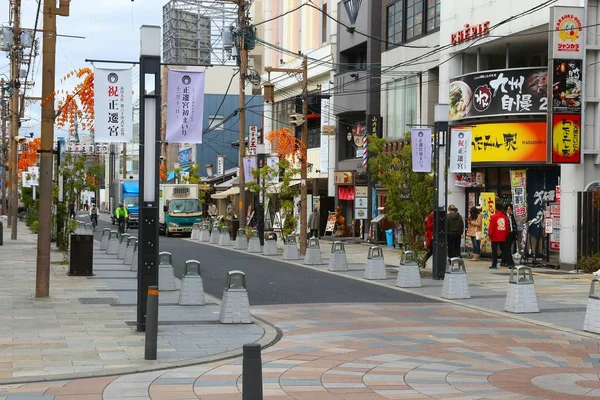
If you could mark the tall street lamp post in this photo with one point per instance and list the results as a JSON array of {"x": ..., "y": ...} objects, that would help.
[{"x": 440, "y": 195}]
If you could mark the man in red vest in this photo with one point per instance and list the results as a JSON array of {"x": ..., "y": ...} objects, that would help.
[{"x": 498, "y": 233}]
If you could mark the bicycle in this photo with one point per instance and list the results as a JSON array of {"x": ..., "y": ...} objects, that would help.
[
  {"x": 121, "y": 226},
  {"x": 94, "y": 219}
]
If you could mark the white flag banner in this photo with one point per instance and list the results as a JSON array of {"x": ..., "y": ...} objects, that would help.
[
  {"x": 185, "y": 107},
  {"x": 420, "y": 140},
  {"x": 460, "y": 151},
  {"x": 113, "y": 105},
  {"x": 273, "y": 163}
]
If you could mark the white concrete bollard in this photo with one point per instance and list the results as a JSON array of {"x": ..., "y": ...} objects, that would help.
[
  {"x": 122, "y": 246},
  {"x": 521, "y": 296},
  {"x": 192, "y": 287},
  {"x": 224, "y": 239},
  {"x": 338, "y": 261},
  {"x": 241, "y": 242},
  {"x": 104, "y": 240},
  {"x": 290, "y": 249},
  {"x": 129, "y": 250},
  {"x": 408, "y": 271},
  {"x": 592, "y": 314},
  {"x": 313, "y": 253},
  {"x": 235, "y": 306},
  {"x": 113, "y": 243},
  {"x": 134, "y": 258},
  {"x": 455, "y": 280},
  {"x": 204, "y": 233},
  {"x": 270, "y": 247},
  {"x": 254, "y": 243},
  {"x": 195, "y": 232},
  {"x": 214, "y": 235},
  {"x": 375, "y": 268},
  {"x": 166, "y": 276}
]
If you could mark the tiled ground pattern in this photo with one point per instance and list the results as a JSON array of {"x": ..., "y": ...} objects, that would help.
[{"x": 376, "y": 351}]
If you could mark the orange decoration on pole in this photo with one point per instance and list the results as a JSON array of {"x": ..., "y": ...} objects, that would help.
[
  {"x": 29, "y": 157},
  {"x": 285, "y": 143},
  {"x": 79, "y": 102}
]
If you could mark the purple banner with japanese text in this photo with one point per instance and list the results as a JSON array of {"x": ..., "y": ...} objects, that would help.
[
  {"x": 113, "y": 106},
  {"x": 421, "y": 149},
  {"x": 185, "y": 107}
]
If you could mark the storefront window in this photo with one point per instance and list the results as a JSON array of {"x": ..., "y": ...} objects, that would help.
[{"x": 402, "y": 106}]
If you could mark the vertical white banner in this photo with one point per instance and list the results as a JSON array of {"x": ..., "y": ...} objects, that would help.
[
  {"x": 252, "y": 139},
  {"x": 185, "y": 106},
  {"x": 113, "y": 105},
  {"x": 249, "y": 167},
  {"x": 220, "y": 165},
  {"x": 421, "y": 149},
  {"x": 273, "y": 163},
  {"x": 460, "y": 150}
]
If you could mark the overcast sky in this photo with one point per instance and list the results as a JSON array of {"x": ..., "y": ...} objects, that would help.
[{"x": 111, "y": 31}]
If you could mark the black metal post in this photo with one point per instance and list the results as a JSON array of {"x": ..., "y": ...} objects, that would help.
[
  {"x": 261, "y": 161},
  {"x": 374, "y": 127},
  {"x": 252, "y": 387},
  {"x": 148, "y": 223},
  {"x": 151, "y": 347},
  {"x": 440, "y": 247},
  {"x": 59, "y": 201}
]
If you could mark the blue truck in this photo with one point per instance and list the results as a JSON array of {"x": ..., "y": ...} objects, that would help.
[{"x": 127, "y": 192}]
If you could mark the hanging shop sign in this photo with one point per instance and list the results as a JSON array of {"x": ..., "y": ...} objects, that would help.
[
  {"x": 113, "y": 105},
  {"x": 185, "y": 156},
  {"x": 421, "y": 147},
  {"x": 566, "y": 138},
  {"x": 488, "y": 208},
  {"x": 470, "y": 32},
  {"x": 520, "y": 91},
  {"x": 566, "y": 36},
  {"x": 518, "y": 184},
  {"x": 460, "y": 151},
  {"x": 252, "y": 139},
  {"x": 509, "y": 142},
  {"x": 185, "y": 110},
  {"x": 343, "y": 178},
  {"x": 566, "y": 87}
]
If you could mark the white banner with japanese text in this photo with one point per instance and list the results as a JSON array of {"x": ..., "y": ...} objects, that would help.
[
  {"x": 460, "y": 151},
  {"x": 185, "y": 106},
  {"x": 113, "y": 105},
  {"x": 421, "y": 149},
  {"x": 249, "y": 167}
]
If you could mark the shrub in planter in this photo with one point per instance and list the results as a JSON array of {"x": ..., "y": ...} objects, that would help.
[{"x": 589, "y": 264}]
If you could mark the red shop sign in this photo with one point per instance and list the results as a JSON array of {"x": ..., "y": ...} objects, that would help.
[{"x": 470, "y": 32}]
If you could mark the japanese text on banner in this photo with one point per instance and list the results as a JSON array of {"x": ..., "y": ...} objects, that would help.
[
  {"x": 460, "y": 151},
  {"x": 113, "y": 105},
  {"x": 185, "y": 107},
  {"x": 421, "y": 147}
]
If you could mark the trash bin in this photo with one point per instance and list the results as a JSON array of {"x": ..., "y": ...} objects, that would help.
[
  {"x": 81, "y": 255},
  {"x": 235, "y": 225},
  {"x": 389, "y": 237}
]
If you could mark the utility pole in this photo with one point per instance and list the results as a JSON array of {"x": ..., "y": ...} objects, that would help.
[
  {"x": 14, "y": 116},
  {"x": 42, "y": 279},
  {"x": 3, "y": 111},
  {"x": 303, "y": 148},
  {"x": 243, "y": 54}
]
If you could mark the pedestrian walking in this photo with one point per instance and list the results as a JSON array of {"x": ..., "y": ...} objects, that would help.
[
  {"x": 428, "y": 237},
  {"x": 475, "y": 222},
  {"x": 498, "y": 233},
  {"x": 313, "y": 223},
  {"x": 456, "y": 229},
  {"x": 72, "y": 210}
]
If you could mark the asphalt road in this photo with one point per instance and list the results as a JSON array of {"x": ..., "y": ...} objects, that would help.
[{"x": 272, "y": 281}]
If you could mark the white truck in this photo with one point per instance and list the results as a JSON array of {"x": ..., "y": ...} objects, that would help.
[{"x": 179, "y": 208}]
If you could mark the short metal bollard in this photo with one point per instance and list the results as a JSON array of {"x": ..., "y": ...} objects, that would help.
[
  {"x": 252, "y": 382},
  {"x": 241, "y": 242},
  {"x": 122, "y": 246},
  {"x": 235, "y": 307},
  {"x": 338, "y": 261},
  {"x": 313, "y": 253},
  {"x": 214, "y": 235},
  {"x": 204, "y": 236},
  {"x": 592, "y": 313},
  {"x": 254, "y": 243},
  {"x": 224, "y": 239},
  {"x": 113, "y": 243},
  {"x": 134, "y": 258},
  {"x": 166, "y": 276},
  {"x": 195, "y": 232},
  {"x": 104, "y": 239},
  {"x": 192, "y": 287},
  {"x": 375, "y": 268},
  {"x": 408, "y": 271},
  {"x": 521, "y": 296},
  {"x": 455, "y": 280},
  {"x": 270, "y": 247},
  {"x": 131, "y": 241},
  {"x": 290, "y": 248},
  {"x": 151, "y": 347}
]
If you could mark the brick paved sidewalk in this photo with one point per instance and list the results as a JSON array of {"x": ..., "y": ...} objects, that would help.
[
  {"x": 87, "y": 326},
  {"x": 374, "y": 351}
]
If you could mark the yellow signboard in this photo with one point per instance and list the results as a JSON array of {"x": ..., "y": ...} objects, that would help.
[{"x": 488, "y": 208}]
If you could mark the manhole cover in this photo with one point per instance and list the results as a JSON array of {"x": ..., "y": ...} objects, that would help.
[{"x": 98, "y": 300}]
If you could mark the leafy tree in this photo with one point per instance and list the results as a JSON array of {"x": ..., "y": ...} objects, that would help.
[
  {"x": 409, "y": 194},
  {"x": 193, "y": 177}
]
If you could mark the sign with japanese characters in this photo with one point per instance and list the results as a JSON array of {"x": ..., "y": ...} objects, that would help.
[
  {"x": 421, "y": 149},
  {"x": 185, "y": 156},
  {"x": 566, "y": 86},
  {"x": 566, "y": 138},
  {"x": 220, "y": 165},
  {"x": 518, "y": 185},
  {"x": 185, "y": 106},
  {"x": 249, "y": 167},
  {"x": 566, "y": 32},
  {"x": 252, "y": 139},
  {"x": 113, "y": 105},
  {"x": 488, "y": 208},
  {"x": 521, "y": 91},
  {"x": 460, "y": 151},
  {"x": 509, "y": 142},
  {"x": 273, "y": 164}
]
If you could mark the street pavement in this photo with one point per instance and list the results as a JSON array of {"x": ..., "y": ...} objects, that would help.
[{"x": 417, "y": 346}]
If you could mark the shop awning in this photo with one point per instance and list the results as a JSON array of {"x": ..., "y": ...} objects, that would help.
[
  {"x": 276, "y": 188},
  {"x": 226, "y": 193}
]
